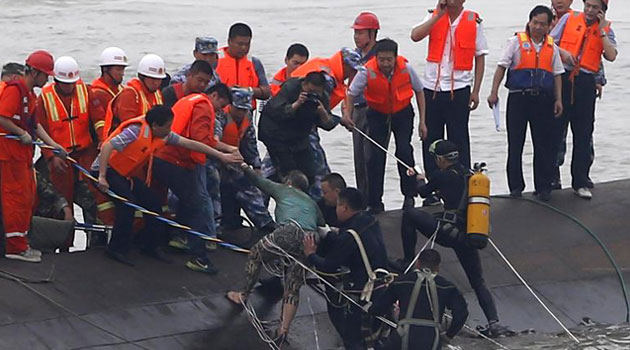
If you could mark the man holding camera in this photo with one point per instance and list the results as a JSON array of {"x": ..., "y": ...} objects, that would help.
[{"x": 288, "y": 118}]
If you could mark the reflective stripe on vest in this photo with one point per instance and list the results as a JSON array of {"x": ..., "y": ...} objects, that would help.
[
  {"x": 388, "y": 96},
  {"x": 583, "y": 41},
  {"x": 233, "y": 133},
  {"x": 100, "y": 84},
  {"x": 135, "y": 156},
  {"x": 405, "y": 323},
  {"x": 535, "y": 69},
  {"x": 70, "y": 130},
  {"x": 465, "y": 45}
]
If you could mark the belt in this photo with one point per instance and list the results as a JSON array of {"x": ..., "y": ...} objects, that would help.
[{"x": 360, "y": 105}]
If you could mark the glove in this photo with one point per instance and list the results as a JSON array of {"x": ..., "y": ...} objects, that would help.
[
  {"x": 26, "y": 139},
  {"x": 322, "y": 231}
]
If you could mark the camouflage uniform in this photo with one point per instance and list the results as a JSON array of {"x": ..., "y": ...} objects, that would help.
[
  {"x": 50, "y": 203},
  {"x": 205, "y": 45}
]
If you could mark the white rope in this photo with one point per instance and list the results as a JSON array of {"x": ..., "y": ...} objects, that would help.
[
  {"x": 533, "y": 293},
  {"x": 385, "y": 150},
  {"x": 431, "y": 240},
  {"x": 257, "y": 324}
]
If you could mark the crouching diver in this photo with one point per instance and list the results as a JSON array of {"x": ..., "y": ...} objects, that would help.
[
  {"x": 450, "y": 183},
  {"x": 423, "y": 296}
]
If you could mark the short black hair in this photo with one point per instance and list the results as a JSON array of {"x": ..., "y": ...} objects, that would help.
[
  {"x": 335, "y": 180},
  {"x": 429, "y": 258},
  {"x": 159, "y": 115},
  {"x": 12, "y": 68},
  {"x": 386, "y": 45},
  {"x": 298, "y": 180},
  {"x": 540, "y": 9},
  {"x": 297, "y": 49},
  {"x": 200, "y": 66},
  {"x": 316, "y": 78},
  {"x": 352, "y": 197},
  {"x": 222, "y": 90},
  {"x": 239, "y": 29}
]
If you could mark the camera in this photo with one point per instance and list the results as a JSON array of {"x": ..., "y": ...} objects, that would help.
[{"x": 312, "y": 100}]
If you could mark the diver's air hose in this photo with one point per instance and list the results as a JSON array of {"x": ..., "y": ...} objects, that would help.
[{"x": 592, "y": 234}]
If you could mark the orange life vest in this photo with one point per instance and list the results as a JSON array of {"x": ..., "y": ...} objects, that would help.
[
  {"x": 583, "y": 41},
  {"x": 131, "y": 160},
  {"x": 233, "y": 133},
  {"x": 535, "y": 69},
  {"x": 100, "y": 84},
  {"x": 332, "y": 66},
  {"x": 182, "y": 111},
  {"x": 465, "y": 40},
  {"x": 388, "y": 96},
  {"x": 143, "y": 102},
  {"x": 241, "y": 72},
  {"x": 277, "y": 81},
  {"x": 71, "y": 129},
  {"x": 25, "y": 119}
]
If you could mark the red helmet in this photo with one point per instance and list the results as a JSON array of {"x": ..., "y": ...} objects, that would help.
[
  {"x": 366, "y": 20},
  {"x": 41, "y": 60}
]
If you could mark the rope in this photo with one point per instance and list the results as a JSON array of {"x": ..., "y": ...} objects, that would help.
[
  {"x": 431, "y": 240},
  {"x": 258, "y": 326},
  {"x": 594, "y": 236},
  {"x": 534, "y": 293},
  {"x": 143, "y": 210},
  {"x": 410, "y": 168}
]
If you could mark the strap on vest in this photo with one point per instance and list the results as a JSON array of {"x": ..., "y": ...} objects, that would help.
[
  {"x": 405, "y": 323},
  {"x": 366, "y": 294}
]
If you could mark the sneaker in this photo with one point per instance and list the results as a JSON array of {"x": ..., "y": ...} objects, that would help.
[
  {"x": 376, "y": 209},
  {"x": 211, "y": 246},
  {"x": 409, "y": 203},
  {"x": 496, "y": 330},
  {"x": 584, "y": 192},
  {"x": 179, "y": 242},
  {"x": 431, "y": 201},
  {"x": 202, "y": 265},
  {"x": 29, "y": 255}
]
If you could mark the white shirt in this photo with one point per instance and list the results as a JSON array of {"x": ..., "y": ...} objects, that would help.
[
  {"x": 512, "y": 55},
  {"x": 461, "y": 79}
]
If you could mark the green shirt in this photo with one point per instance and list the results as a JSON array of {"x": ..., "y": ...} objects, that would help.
[{"x": 291, "y": 203}]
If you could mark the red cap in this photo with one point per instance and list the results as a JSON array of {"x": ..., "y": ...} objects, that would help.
[
  {"x": 366, "y": 20},
  {"x": 41, "y": 60}
]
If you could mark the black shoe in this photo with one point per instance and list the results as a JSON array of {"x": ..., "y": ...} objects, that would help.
[
  {"x": 556, "y": 185},
  {"x": 409, "y": 203},
  {"x": 516, "y": 194},
  {"x": 544, "y": 196},
  {"x": 431, "y": 201},
  {"x": 120, "y": 257},
  {"x": 589, "y": 183},
  {"x": 376, "y": 209},
  {"x": 496, "y": 330},
  {"x": 157, "y": 254}
]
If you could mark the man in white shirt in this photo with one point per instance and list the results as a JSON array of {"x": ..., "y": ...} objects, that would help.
[{"x": 457, "y": 45}]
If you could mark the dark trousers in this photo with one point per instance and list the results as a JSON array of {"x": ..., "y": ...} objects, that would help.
[
  {"x": 361, "y": 149},
  {"x": 578, "y": 99},
  {"x": 154, "y": 233},
  {"x": 380, "y": 128},
  {"x": 418, "y": 220},
  {"x": 538, "y": 112},
  {"x": 194, "y": 207},
  {"x": 287, "y": 157},
  {"x": 452, "y": 113},
  {"x": 352, "y": 335}
]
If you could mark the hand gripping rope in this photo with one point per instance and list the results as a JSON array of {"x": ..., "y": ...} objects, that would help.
[{"x": 143, "y": 210}]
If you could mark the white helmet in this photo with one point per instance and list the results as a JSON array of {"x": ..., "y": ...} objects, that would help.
[
  {"x": 152, "y": 66},
  {"x": 113, "y": 56},
  {"x": 66, "y": 69}
]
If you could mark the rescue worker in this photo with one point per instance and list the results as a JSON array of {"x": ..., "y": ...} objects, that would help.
[
  {"x": 456, "y": 56},
  {"x": 138, "y": 96},
  {"x": 112, "y": 62},
  {"x": 298, "y": 216},
  {"x": 287, "y": 120},
  {"x": 206, "y": 49},
  {"x": 449, "y": 226},
  {"x": 534, "y": 80},
  {"x": 17, "y": 180},
  {"x": 417, "y": 292},
  {"x": 11, "y": 71},
  {"x": 236, "y": 129},
  {"x": 235, "y": 67},
  {"x": 582, "y": 59},
  {"x": 198, "y": 78},
  {"x": 184, "y": 172},
  {"x": 389, "y": 82},
  {"x": 126, "y": 162},
  {"x": 366, "y": 26},
  {"x": 297, "y": 55},
  {"x": 359, "y": 233},
  {"x": 332, "y": 185}
]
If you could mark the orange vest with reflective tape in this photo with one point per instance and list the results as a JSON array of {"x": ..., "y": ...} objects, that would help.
[
  {"x": 11, "y": 149},
  {"x": 332, "y": 66},
  {"x": 143, "y": 102},
  {"x": 535, "y": 69},
  {"x": 233, "y": 133},
  {"x": 583, "y": 41},
  {"x": 100, "y": 84},
  {"x": 131, "y": 160},
  {"x": 71, "y": 129},
  {"x": 278, "y": 79},
  {"x": 237, "y": 71},
  {"x": 465, "y": 40},
  {"x": 388, "y": 96}
]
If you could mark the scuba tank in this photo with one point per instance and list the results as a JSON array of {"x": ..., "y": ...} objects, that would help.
[{"x": 478, "y": 216}]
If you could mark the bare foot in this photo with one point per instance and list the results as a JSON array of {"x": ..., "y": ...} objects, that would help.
[{"x": 237, "y": 298}]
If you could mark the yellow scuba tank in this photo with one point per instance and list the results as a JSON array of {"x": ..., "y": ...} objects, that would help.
[{"x": 478, "y": 216}]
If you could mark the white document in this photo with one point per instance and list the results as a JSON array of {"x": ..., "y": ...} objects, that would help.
[{"x": 496, "y": 111}]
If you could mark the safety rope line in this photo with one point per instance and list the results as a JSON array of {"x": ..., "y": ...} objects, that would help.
[
  {"x": 533, "y": 293},
  {"x": 410, "y": 168},
  {"x": 257, "y": 324},
  {"x": 431, "y": 240},
  {"x": 141, "y": 209},
  {"x": 590, "y": 233}
]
